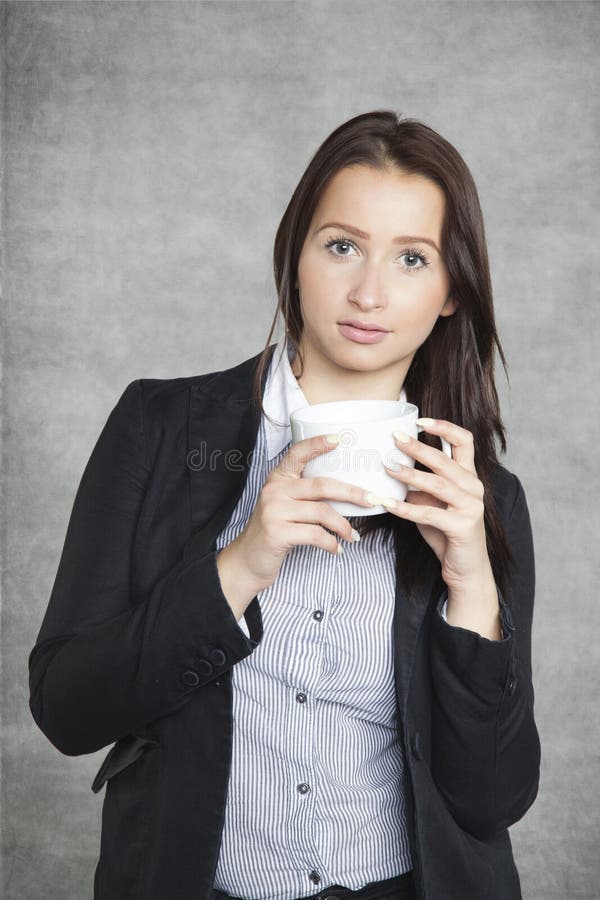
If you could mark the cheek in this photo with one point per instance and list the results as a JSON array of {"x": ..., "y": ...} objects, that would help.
[
  {"x": 316, "y": 276},
  {"x": 313, "y": 308},
  {"x": 423, "y": 298},
  {"x": 419, "y": 307},
  {"x": 320, "y": 290}
]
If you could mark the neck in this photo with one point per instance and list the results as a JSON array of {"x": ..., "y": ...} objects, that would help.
[{"x": 323, "y": 382}]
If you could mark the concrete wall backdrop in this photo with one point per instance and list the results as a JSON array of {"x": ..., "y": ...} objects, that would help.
[{"x": 149, "y": 151}]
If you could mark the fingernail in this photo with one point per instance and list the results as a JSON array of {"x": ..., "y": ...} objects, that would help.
[
  {"x": 374, "y": 499},
  {"x": 333, "y": 438},
  {"x": 389, "y": 501},
  {"x": 355, "y": 535},
  {"x": 395, "y": 465},
  {"x": 340, "y": 549},
  {"x": 401, "y": 436},
  {"x": 426, "y": 422}
]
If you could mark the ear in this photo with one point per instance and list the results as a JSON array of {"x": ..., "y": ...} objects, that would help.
[{"x": 449, "y": 307}]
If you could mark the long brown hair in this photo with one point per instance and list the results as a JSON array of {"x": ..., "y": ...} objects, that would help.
[{"x": 452, "y": 373}]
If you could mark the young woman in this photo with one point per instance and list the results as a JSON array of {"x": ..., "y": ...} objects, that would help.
[{"x": 291, "y": 721}]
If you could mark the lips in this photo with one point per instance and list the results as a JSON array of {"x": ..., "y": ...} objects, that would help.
[
  {"x": 362, "y": 335},
  {"x": 364, "y": 326}
]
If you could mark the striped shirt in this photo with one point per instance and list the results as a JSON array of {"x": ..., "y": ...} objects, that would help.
[{"x": 316, "y": 789}]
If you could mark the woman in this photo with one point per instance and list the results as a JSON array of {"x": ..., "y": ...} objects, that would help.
[{"x": 291, "y": 722}]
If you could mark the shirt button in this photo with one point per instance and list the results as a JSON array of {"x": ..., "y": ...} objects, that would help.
[
  {"x": 301, "y": 698},
  {"x": 303, "y": 788},
  {"x": 314, "y": 877},
  {"x": 318, "y": 614}
]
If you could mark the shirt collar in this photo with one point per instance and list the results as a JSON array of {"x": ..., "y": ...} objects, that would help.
[{"x": 283, "y": 396}]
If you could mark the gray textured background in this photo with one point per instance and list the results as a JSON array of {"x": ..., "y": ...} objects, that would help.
[{"x": 149, "y": 151}]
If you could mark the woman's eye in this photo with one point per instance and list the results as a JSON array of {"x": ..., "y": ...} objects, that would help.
[
  {"x": 412, "y": 260},
  {"x": 339, "y": 243}
]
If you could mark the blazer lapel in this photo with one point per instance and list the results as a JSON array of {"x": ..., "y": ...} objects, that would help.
[
  {"x": 222, "y": 431},
  {"x": 408, "y": 619}
]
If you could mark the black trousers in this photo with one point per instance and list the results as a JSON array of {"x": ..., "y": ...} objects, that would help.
[{"x": 399, "y": 888}]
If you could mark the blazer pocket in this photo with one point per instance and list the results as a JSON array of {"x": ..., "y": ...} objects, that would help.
[{"x": 126, "y": 750}]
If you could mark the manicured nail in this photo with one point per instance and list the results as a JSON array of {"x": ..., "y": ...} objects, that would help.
[
  {"x": 340, "y": 549},
  {"x": 333, "y": 438},
  {"x": 427, "y": 422},
  {"x": 401, "y": 436},
  {"x": 355, "y": 535},
  {"x": 395, "y": 465},
  {"x": 389, "y": 501},
  {"x": 374, "y": 499}
]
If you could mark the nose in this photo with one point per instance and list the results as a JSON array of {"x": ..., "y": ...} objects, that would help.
[
  {"x": 366, "y": 300},
  {"x": 368, "y": 294}
]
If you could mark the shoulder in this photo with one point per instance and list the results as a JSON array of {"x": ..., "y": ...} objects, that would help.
[
  {"x": 158, "y": 399},
  {"x": 163, "y": 399},
  {"x": 165, "y": 402},
  {"x": 508, "y": 491}
]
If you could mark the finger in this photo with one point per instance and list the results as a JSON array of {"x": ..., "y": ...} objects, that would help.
[
  {"x": 320, "y": 513},
  {"x": 317, "y": 537},
  {"x": 437, "y": 460},
  {"x": 435, "y": 485},
  {"x": 300, "y": 453},
  {"x": 461, "y": 439},
  {"x": 328, "y": 488},
  {"x": 424, "y": 515}
]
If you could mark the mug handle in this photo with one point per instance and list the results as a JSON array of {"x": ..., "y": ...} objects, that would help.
[{"x": 446, "y": 447}]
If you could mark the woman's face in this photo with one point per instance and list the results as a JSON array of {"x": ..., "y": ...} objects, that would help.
[{"x": 400, "y": 285}]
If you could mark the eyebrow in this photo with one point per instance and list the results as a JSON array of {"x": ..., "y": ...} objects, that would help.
[{"x": 401, "y": 239}]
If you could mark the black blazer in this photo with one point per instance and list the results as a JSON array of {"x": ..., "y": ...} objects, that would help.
[{"x": 138, "y": 642}]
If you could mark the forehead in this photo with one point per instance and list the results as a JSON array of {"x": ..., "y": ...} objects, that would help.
[{"x": 382, "y": 201}]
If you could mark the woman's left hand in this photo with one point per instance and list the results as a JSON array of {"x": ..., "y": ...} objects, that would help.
[{"x": 447, "y": 503}]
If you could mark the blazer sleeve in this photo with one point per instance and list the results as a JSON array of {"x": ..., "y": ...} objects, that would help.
[
  {"x": 485, "y": 744},
  {"x": 105, "y": 663}
]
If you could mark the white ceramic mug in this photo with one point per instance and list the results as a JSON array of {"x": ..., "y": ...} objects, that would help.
[{"x": 366, "y": 443}]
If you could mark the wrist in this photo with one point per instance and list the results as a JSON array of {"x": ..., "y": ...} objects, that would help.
[
  {"x": 474, "y": 605},
  {"x": 237, "y": 582}
]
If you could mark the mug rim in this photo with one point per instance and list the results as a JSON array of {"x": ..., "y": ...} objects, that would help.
[{"x": 297, "y": 415}]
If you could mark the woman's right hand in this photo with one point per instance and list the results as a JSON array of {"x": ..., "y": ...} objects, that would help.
[{"x": 289, "y": 512}]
